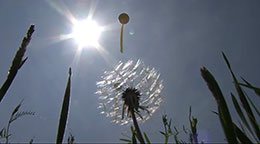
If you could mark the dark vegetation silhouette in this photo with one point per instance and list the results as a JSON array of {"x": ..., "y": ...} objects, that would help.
[{"x": 247, "y": 132}]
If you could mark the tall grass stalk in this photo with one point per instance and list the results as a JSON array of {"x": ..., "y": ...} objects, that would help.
[
  {"x": 232, "y": 132},
  {"x": 243, "y": 100},
  {"x": 14, "y": 116},
  {"x": 64, "y": 111},
  {"x": 193, "y": 127},
  {"x": 17, "y": 63},
  {"x": 167, "y": 129},
  {"x": 224, "y": 115}
]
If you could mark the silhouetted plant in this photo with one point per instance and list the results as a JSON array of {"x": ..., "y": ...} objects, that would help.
[
  {"x": 17, "y": 63},
  {"x": 167, "y": 128},
  {"x": 232, "y": 132},
  {"x": 4, "y": 133},
  {"x": 71, "y": 139},
  {"x": 64, "y": 111}
]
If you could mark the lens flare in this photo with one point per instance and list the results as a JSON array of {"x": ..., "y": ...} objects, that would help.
[{"x": 86, "y": 33}]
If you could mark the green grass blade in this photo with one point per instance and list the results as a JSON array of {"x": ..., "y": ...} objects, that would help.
[
  {"x": 242, "y": 128},
  {"x": 146, "y": 138},
  {"x": 126, "y": 140},
  {"x": 249, "y": 85},
  {"x": 242, "y": 136},
  {"x": 252, "y": 104},
  {"x": 193, "y": 126},
  {"x": 64, "y": 111},
  {"x": 240, "y": 113},
  {"x": 224, "y": 115},
  {"x": 16, "y": 108},
  {"x": 134, "y": 141},
  {"x": 243, "y": 100},
  {"x": 17, "y": 62}
]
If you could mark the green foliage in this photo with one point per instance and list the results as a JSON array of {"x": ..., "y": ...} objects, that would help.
[
  {"x": 243, "y": 100},
  {"x": 224, "y": 115},
  {"x": 167, "y": 128},
  {"x": 146, "y": 138},
  {"x": 232, "y": 132},
  {"x": 133, "y": 139},
  {"x": 193, "y": 126}
]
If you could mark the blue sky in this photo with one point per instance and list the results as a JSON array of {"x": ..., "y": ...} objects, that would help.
[{"x": 176, "y": 37}]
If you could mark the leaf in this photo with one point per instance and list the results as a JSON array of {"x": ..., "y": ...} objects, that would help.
[
  {"x": 126, "y": 140},
  {"x": 240, "y": 113},
  {"x": 252, "y": 104},
  {"x": 23, "y": 61},
  {"x": 20, "y": 114},
  {"x": 248, "y": 85},
  {"x": 162, "y": 133},
  {"x": 64, "y": 111},
  {"x": 16, "y": 63},
  {"x": 134, "y": 141},
  {"x": 70, "y": 139},
  {"x": 2, "y": 133},
  {"x": 225, "y": 118},
  {"x": 146, "y": 138},
  {"x": 241, "y": 136},
  {"x": 17, "y": 108},
  {"x": 243, "y": 100}
]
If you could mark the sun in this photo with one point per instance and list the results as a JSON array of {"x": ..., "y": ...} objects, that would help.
[{"x": 86, "y": 33}]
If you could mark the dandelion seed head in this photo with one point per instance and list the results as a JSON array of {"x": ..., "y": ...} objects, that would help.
[{"x": 129, "y": 81}]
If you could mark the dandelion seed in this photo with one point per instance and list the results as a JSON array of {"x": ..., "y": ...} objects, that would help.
[{"x": 129, "y": 86}]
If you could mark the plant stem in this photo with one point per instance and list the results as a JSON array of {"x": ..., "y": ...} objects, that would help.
[
  {"x": 7, "y": 129},
  {"x": 17, "y": 63},
  {"x": 138, "y": 131},
  {"x": 121, "y": 38},
  {"x": 64, "y": 111},
  {"x": 7, "y": 133}
]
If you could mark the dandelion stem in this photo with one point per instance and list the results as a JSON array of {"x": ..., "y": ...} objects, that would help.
[
  {"x": 121, "y": 38},
  {"x": 138, "y": 131}
]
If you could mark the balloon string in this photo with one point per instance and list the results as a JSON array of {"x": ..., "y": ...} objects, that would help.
[{"x": 121, "y": 38}]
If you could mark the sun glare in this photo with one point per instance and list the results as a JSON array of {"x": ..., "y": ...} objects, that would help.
[{"x": 86, "y": 33}]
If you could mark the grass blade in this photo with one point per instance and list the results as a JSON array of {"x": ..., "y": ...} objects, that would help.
[
  {"x": 224, "y": 115},
  {"x": 71, "y": 139},
  {"x": 193, "y": 126},
  {"x": 248, "y": 85},
  {"x": 64, "y": 111},
  {"x": 146, "y": 138},
  {"x": 243, "y": 100},
  {"x": 134, "y": 141},
  {"x": 253, "y": 106},
  {"x": 126, "y": 140},
  {"x": 241, "y": 136},
  {"x": 240, "y": 113},
  {"x": 17, "y": 62}
]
